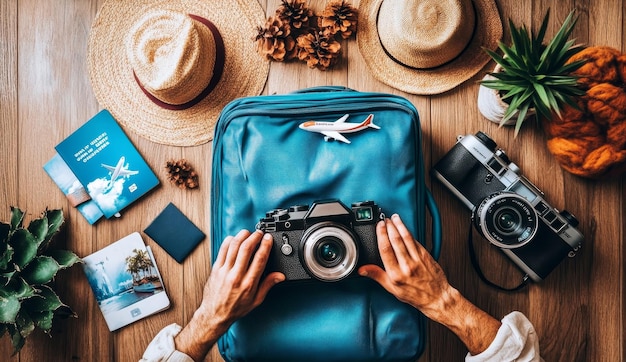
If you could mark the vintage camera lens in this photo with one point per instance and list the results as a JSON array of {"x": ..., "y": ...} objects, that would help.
[
  {"x": 507, "y": 220},
  {"x": 328, "y": 251}
]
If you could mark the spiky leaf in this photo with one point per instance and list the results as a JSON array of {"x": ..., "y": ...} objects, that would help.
[
  {"x": 9, "y": 307},
  {"x": 24, "y": 323},
  {"x": 534, "y": 74},
  {"x": 64, "y": 258},
  {"x": 25, "y": 246},
  {"x": 16, "y": 338},
  {"x": 18, "y": 288},
  {"x": 17, "y": 216},
  {"x": 55, "y": 220},
  {"x": 6, "y": 255},
  {"x": 41, "y": 270},
  {"x": 45, "y": 300},
  {"x": 4, "y": 232},
  {"x": 43, "y": 320},
  {"x": 39, "y": 228}
]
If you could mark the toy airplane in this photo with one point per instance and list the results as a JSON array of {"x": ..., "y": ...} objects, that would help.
[
  {"x": 119, "y": 170},
  {"x": 333, "y": 130}
]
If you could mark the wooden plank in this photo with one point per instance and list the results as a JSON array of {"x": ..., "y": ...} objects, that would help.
[
  {"x": 46, "y": 94},
  {"x": 9, "y": 190}
]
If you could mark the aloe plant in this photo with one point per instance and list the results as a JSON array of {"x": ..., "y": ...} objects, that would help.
[
  {"x": 534, "y": 74},
  {"x": 27, "y": 268}
]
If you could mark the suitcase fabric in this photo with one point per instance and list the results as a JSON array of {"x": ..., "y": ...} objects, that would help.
[{"x": 263, "y": 161}]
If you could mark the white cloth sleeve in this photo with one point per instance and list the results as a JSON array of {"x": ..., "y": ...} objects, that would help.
[
  {"x": 163, "y": 349},
  {"x": 516, "y": 341}
]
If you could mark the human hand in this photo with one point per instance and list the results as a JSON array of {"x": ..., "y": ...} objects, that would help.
[
  {"x": 414, "y": 277},
  {"x": 235, "y": 287},
  {"x": 411, "y": 274}
]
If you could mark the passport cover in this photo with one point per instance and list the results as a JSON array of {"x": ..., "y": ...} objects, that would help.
[
  {"x": 107, "y": 164},
  {"x": 175, "y": 233}
]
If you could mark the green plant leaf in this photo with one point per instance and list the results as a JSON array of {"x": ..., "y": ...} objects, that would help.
[
  {"x": 24, "y": 323},
  {"x": 9, "y": 307},
  {"x": 64, "y": 258},
  {"x": 55, "y": 220},
  {"x": 43, "y": 320},
  {"x": 4, "y": 232},
  {"x": 18, "y": 288},
  {"x": 25, "y": 247},
  {"x": 17, "y": 216},
  {"x": 6, "y": 256},
  {"x": 45, "y": 300},
  {"x": 39, "y": 228},
  {"x": 16, "y": 338},
  {"x": 41, "y": 270}
]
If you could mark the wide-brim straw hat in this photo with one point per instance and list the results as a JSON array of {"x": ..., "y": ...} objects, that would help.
[
  {"x": 166, "y": 69},
  {"x": 429, "y": 46}
]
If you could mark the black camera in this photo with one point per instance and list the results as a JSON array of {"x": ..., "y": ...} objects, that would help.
[
  {"x": 326, "y": 241},
  {"x": 507, "y": 208}
]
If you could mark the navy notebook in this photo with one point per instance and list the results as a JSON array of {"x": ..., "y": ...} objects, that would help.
[{"x": 175, "y": 233}]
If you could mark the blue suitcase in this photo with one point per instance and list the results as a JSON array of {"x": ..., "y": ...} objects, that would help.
[{"x": 263, "y": 160}]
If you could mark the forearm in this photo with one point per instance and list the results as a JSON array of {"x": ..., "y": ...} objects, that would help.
[
  {"x": 198, "y": 336},
  {"x": 474, "y": 327}
]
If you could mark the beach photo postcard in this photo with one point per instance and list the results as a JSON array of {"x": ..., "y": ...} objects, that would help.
[
  {"x": 125, "y": 281},
  {"x": 107, "y": 164}
]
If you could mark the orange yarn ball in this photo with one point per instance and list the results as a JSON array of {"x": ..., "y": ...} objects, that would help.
[{"x": 591, "y": 141}]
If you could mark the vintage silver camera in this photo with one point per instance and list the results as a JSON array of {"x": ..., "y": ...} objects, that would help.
[
  {"x": 507, "y": 208},
  {"x": 326, "y": 241}
]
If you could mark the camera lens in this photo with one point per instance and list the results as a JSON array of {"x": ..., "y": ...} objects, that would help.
[
  {"x": 507, "y": 220},
  {"x": 328, "y": 251}
]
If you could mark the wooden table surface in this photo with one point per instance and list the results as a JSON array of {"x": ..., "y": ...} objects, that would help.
[{"x": 45, "y": 94}]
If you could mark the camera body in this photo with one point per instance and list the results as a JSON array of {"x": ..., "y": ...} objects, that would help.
[
  {"x": 508, "y": 209},
  {"x": 326, "y": 241}
]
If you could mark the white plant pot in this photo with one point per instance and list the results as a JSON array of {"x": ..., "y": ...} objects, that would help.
[{"x": 491, "y": 105}]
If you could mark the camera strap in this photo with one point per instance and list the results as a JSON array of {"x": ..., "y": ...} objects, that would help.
[{"x": 479, "y": 271}]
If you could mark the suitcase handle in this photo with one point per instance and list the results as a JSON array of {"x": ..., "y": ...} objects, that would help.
[
  {"x": 436, "y": 225},
  {"x": 324, "y": 89}
]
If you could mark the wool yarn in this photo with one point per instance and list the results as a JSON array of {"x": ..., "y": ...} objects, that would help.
[{"x": 591, "y": 141}]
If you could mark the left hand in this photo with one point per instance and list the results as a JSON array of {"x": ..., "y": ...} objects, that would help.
[{"x": 234, "y": 288}]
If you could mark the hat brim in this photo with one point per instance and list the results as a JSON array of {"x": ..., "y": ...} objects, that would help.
[
  {"x": 488, "y": 31},
  {"x": 245, "y": 72}
]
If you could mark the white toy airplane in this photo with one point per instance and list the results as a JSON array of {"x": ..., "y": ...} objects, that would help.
[
  {"x": 333, "y": 130},
  {"x": 119, "y": 170}
]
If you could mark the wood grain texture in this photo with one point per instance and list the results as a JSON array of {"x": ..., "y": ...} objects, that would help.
[{"x": 45, "y": 94}]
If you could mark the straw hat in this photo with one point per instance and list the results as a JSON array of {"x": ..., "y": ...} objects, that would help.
[
  {"x": 427, "y": 46},
  {"x": 165, "y": 69}
]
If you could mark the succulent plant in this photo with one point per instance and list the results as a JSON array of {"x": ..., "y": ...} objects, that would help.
[
  {"x": 27, "y": 269},
  {"x": 534, "y": 74}
]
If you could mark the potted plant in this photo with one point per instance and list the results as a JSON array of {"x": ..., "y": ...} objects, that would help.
[
  {"x": 531, "y": 77},
  {"x": 27, "y": 267}
]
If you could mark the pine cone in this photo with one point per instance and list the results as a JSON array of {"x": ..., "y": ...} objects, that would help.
[
  {"x": 275, "y": 41},
  {"x": 296, "y": 13},
  {"x": 340, "y": 17},
  {"x": 320, "y": 49},
  {"x": 182, "y": 174}
]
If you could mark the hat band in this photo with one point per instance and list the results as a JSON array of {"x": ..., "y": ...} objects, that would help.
[{"x": 217, "y": 71}]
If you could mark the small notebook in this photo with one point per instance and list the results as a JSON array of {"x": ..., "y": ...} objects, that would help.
[{"x": 175, "y": 233}]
